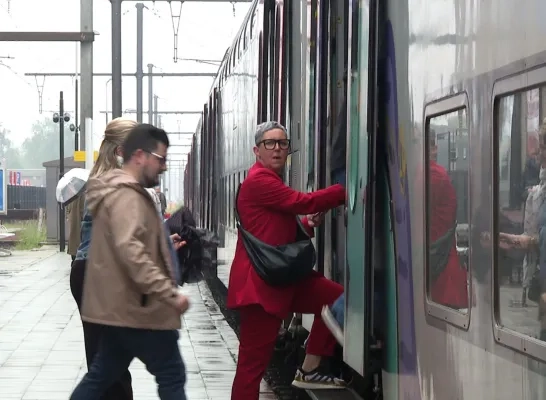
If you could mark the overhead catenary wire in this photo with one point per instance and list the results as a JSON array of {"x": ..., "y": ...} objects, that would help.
[{"x": 175, "y": 19}]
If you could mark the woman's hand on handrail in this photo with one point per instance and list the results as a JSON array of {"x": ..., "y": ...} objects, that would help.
[
  {"x": 509, "y": 241},
  {"x": 314, "y": 220}
]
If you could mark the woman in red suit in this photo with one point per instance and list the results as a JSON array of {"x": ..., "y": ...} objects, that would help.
[{"x": 267, "y": 209}]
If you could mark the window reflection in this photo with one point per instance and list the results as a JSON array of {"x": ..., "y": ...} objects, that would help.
[
  {"x": 447, "y": 210},
  {"x": 521, "y": 212}
]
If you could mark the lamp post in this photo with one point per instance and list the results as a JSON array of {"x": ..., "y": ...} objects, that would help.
[{"x": 61, "y": 117}]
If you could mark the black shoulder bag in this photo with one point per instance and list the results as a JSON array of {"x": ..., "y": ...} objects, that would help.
[{"x": 279, "y": 265}]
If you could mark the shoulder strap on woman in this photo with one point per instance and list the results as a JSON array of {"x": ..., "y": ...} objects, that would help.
[{"x": 236, "y": 201}]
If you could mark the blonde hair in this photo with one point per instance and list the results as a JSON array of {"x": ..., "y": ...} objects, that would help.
[{"x": 115, "y": 133}]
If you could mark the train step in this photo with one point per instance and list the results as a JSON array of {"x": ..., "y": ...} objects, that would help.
[{"x": 348, "y": 394}]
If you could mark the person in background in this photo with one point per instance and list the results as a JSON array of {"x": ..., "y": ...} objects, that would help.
[
  {"x": 110, "y": 158},
  {"x": 268, "y": 210},
  {"x": 334, "y": 316},
  {"x": 162, "y": 199},
  {"x": 130, "y": 285},
  {"x": 74, "y": 214},
  {"x": 155, "y": 199}
]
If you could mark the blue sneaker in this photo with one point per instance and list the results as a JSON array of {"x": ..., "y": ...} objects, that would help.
[{"x": 331, "y": 322}]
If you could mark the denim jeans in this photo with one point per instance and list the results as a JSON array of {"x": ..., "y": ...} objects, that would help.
[
  {"x": 339, "y": 176},
  {"x": 158, "y": 350},
  {"x": 338, "y": 310}
]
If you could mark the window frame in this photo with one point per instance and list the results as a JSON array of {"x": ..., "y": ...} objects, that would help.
[
  {"x": 534, "y": 78},
  {"x": 434, "y": 109}
]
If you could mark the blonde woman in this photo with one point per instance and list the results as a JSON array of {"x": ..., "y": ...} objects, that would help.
[{"x": 110, "y": 157}]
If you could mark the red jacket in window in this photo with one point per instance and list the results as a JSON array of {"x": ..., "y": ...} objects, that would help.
[
  {"x": 267, "y": 209},
  {"x": 450, "y": 288}
]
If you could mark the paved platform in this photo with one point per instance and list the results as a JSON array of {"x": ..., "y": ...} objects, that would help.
[
  {"x": 225, "y": 257},
  {"x": 41, "y": 339}
]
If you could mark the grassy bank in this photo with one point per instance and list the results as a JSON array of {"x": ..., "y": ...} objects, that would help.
[{"x": 27, "y": 236}]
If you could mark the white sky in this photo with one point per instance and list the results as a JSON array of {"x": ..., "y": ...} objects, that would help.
[{"x": 206, "y": 31}]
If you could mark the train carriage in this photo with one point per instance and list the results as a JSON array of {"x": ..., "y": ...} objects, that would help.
[{"x": 428, "y": 100}]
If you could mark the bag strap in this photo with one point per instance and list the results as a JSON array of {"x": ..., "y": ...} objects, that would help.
[
  {"x": 236, "y": 201},
  {"x": 298, "y": 221}
]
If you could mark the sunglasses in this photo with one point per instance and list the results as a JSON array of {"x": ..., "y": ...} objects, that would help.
[{"x": 162, "y": 160}]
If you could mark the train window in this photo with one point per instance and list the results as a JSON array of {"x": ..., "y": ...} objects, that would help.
[
  {"x": 447, "y": 211},
  {"x": 519, "y": 217}
]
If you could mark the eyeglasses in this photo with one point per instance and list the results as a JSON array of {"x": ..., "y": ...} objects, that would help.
[
  {"x": 270, "y": 144},
  {"x": 162, "y": 160}
]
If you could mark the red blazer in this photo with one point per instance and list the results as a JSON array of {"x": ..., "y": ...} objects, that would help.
[{"x": 268, "y": 208}]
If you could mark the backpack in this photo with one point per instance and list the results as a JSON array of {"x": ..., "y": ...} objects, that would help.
[{"x": 199, "y": 252}]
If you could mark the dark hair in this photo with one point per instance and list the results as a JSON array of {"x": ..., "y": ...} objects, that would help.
[{"x": 143, "y": 137}]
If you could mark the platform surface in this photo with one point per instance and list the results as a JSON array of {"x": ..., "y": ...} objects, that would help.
[{"x": 41, "y": 339}]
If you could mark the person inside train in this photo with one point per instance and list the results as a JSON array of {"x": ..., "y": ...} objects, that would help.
[
  {"x": 533, "y": 238},
  {"x": 334, "y": 316},
  {"x": 268, "y": 209},
  {"x": 338, "y": 157},
  {"x": 109, "y": 158},
  {"x": 531, "y": 174},
  {"x": 130, "y": 283}
]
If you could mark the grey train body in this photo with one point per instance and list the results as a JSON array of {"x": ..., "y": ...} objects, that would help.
[{"x": 471, "y": 75}]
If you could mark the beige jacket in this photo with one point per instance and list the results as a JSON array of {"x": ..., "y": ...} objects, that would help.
[{"x": 129, "y": 278}]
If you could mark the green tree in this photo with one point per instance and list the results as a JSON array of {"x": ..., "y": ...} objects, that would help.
[
  {"x": 8, "y": 151},
  {"x": 43, "y": 144}
]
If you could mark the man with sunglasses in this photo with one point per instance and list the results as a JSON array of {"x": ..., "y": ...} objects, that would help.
[
  {"x": 268, "y": 210},
  {"x": 130, "y": 284}
]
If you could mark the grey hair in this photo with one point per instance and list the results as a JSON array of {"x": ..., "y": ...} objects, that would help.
[{"x": 266, "y": 127}]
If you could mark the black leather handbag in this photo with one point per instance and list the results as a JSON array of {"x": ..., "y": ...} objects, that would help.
[{"x": 279, "y": 265}]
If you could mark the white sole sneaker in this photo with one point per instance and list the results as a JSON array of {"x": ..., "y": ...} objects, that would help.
[
  {"x": 331, "y": 323},
  {"x": 317, "y": 381},
  {"x": 316, "y": 386}
]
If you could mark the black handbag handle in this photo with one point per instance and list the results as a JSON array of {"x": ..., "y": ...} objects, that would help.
[{"x": 235, "y": 208}]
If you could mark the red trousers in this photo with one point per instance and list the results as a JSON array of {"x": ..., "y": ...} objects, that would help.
[{"x": 259, "y": 330}]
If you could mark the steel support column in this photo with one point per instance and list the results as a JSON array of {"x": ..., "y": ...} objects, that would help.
[
  {"x": 86, "y": 69},
  {"x": 139, "y": 71},
  {"x": 150, "y": 94},
  {"x": 155, "y": 109},
  {"x": 116, "y": 59}
]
